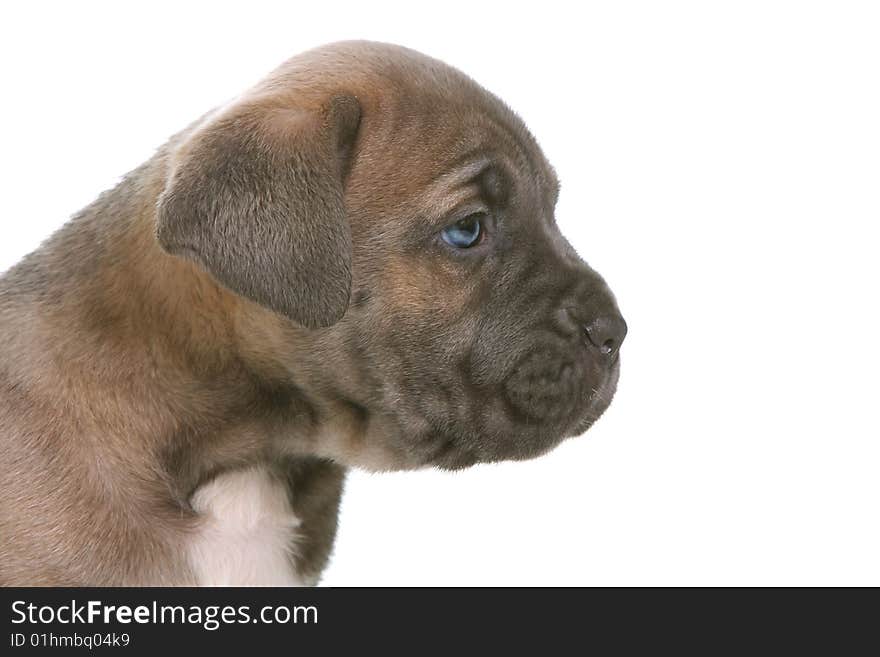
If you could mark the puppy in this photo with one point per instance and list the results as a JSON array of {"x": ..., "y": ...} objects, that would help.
[{"x": 354, "y": 264}]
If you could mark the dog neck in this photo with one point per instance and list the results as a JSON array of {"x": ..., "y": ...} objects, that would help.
[{"x": 173, "y": 374}]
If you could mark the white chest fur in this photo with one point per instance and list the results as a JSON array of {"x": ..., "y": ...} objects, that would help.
[{"x": 247, "y": 532}]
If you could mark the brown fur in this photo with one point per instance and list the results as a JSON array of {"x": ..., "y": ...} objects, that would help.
[{"x": 264, "y": 290}]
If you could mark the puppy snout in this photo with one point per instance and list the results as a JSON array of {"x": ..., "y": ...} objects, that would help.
[
  {"x": 606, "y": 333},
  {"x": 601, "y": 331}
]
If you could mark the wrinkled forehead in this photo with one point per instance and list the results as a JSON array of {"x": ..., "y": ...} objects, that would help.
[
  {"x": 425, "y": 141},
  {"x": 425, "y": 126}
]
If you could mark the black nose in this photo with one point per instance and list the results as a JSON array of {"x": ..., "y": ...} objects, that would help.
[{"x": 606, "y": 333}]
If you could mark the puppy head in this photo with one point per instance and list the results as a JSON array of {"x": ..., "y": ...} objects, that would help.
[{"x": 404, "y": 217}]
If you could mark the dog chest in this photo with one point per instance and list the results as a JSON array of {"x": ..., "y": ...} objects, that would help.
[{"x": 247, "y": 531}]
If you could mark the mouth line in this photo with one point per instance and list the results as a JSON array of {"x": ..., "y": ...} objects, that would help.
[
  {"x": 584, "y": 406},
  {"x": 453, "y": 442}
]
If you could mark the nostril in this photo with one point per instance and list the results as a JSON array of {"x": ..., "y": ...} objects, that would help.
[{"x": 606, "y": 333}]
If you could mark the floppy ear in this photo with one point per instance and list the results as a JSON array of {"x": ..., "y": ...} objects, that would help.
[{"x": 256, "y": 198}]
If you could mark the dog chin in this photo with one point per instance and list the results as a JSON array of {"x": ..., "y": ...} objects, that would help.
[
  {"x": 455, "y": 460},
  {"x": 389, "y": 447},
  {"x": 458, "y": 459}
]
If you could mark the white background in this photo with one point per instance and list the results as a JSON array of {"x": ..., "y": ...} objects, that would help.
[{"x": 720, "y": 166}]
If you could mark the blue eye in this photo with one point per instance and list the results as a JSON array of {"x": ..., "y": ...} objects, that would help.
[{"x": 465, "y": 233}]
